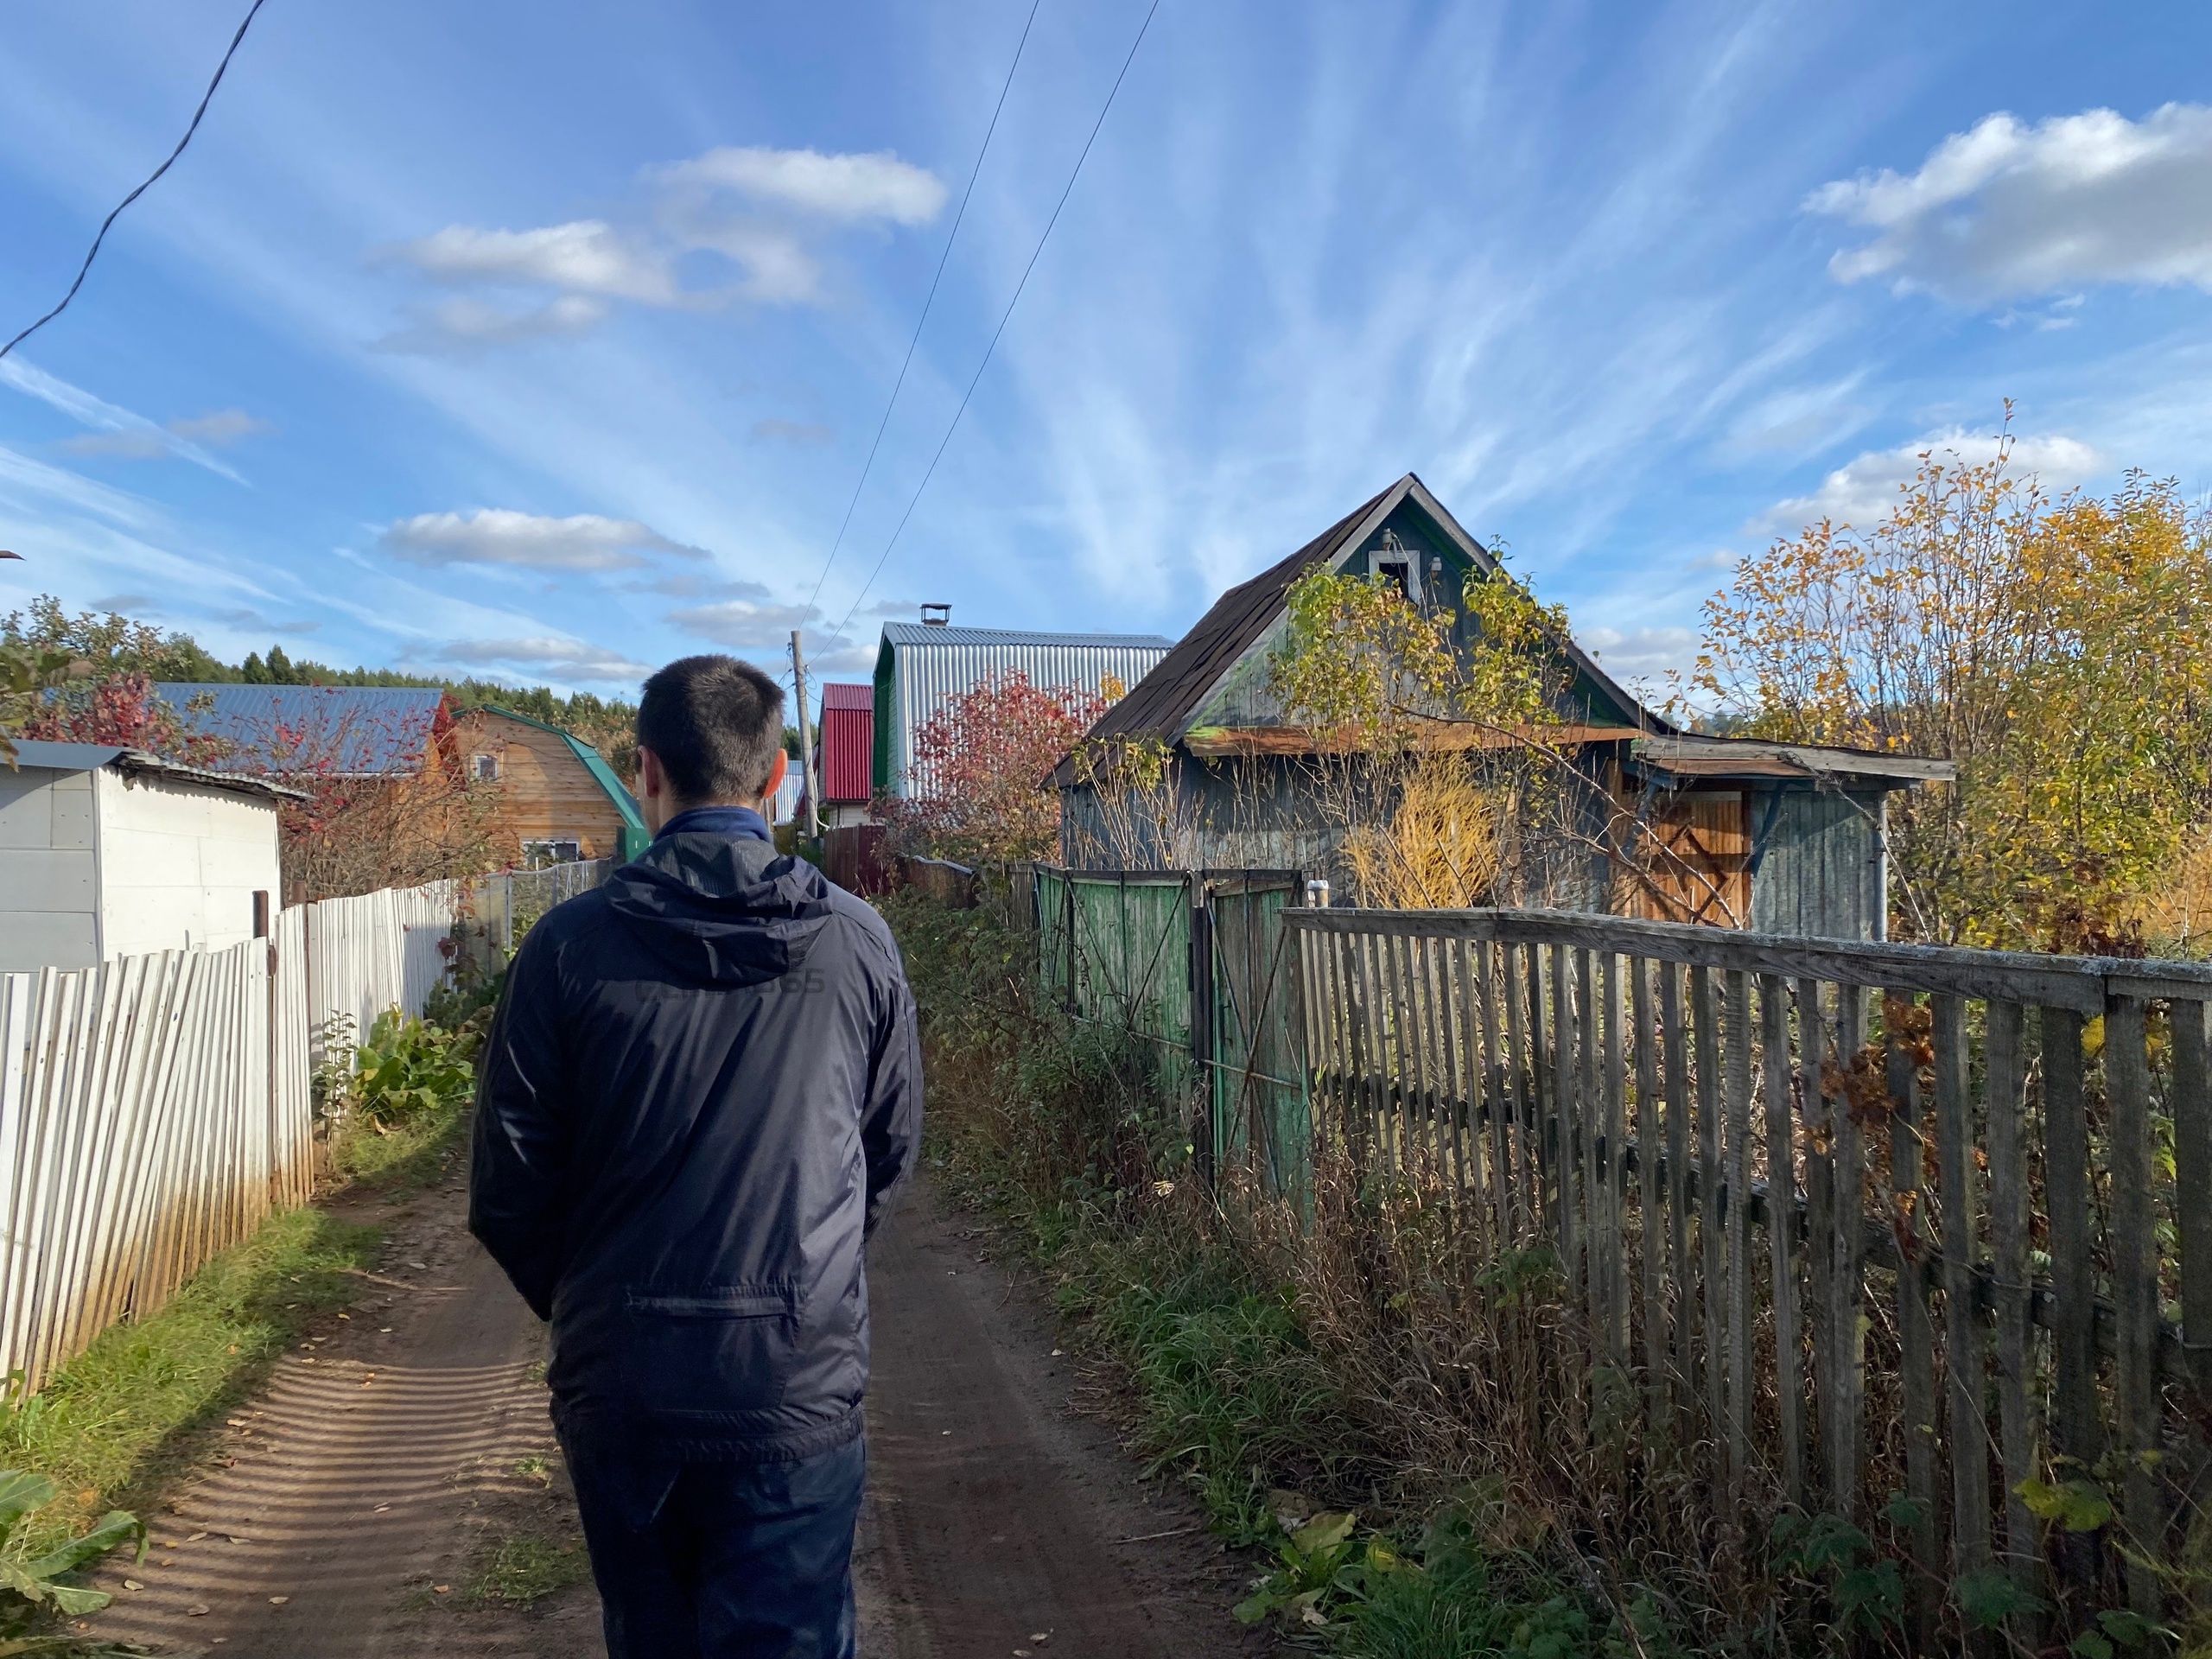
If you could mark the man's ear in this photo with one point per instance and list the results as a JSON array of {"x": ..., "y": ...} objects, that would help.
[{"x": 653, "y": 778}]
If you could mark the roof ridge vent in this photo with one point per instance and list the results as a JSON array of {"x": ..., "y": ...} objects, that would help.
[{"x": 936, "y": 616}]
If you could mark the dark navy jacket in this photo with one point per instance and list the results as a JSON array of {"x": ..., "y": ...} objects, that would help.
[{"x": 702, "y": 1080}]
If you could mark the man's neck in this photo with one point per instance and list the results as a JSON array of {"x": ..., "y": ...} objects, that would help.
[{"x": 719, "y": 819}]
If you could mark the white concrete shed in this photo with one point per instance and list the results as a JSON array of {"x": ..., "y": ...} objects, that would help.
[{"x": 112, "y": 852}]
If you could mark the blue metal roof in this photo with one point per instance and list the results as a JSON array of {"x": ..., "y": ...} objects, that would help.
[{"x": 354, "y": 730}]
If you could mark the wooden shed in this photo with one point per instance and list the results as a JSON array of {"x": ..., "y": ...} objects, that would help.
[
  {"x": 112, "y": 852},
  {"x": 1783, "y": 839},
  {"x": 562, "y": 801}
]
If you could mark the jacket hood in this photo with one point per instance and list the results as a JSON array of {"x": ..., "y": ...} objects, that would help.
[{"x": 722, "y": 910}]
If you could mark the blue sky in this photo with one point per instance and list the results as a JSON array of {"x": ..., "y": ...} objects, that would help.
[{"x": 547, "y": 342}]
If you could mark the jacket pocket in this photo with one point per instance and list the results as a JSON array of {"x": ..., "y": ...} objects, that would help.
[{"x": 711, "y": 1348}]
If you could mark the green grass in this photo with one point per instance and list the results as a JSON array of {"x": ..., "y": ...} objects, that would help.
[
  {"x": 120, "y": 1419},
  {"x": 411, "y": 1154},
  {"x": 522, "y": 1566}
]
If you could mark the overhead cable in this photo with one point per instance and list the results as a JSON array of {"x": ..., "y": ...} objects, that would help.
[
  {"x": 1003, "y": 318},
  {"x": 94, "y": 252},
  {"x": 846, "y": 523}
]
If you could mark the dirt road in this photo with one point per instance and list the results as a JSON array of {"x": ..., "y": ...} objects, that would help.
[{"x": 395, "y": 1492}]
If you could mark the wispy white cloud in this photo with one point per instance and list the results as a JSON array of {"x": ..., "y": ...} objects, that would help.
[
  {"x": 1862, "y": 491},
  {"x": 851, "y": 189},
  {"x": 1640, "y": 653},
  {"x": 800, "y": 434},
  {"x": 554, "y": 655},
  {"x": 760, "y": 211},
  {"x": 2007, "y": 210},
  {"x": 742, "y": 623},
  {"x": 501, "y": 535},
  {"x": 683, "y": 584},
  {"x": 127, "y": 434}
]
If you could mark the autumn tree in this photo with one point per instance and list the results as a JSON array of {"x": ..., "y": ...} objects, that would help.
[
  {"x": 980, "y": 789},
  {"x": 2053, "y": 650}
]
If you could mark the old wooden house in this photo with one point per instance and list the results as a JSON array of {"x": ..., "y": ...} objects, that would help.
[{"x": 1780, "y": 838}]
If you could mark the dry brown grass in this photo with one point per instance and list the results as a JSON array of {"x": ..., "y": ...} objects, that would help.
[{"x": 1441, "y": 849}]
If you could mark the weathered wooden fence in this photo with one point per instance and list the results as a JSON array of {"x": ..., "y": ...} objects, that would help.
[
  {"x": 156, "y": 1109},
  {"x": 1855, "y": 1223}
]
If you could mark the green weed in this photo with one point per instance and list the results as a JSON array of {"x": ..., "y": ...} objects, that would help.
[{"x": 526, "y": 1565}]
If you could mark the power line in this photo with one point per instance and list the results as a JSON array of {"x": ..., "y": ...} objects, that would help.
[
  {"x": 1009, "y": 313},
  {"x": 941, "y": 258},
  {"x": 94, "y": 252}
]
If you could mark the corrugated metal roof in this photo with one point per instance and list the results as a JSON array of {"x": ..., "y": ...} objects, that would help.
[
  {"x": 91, "y": 757},
  {"x": 355, "y": 730},
  {"x": 922, "y": 633},
  {"x": 920, "y": 668},
  {"x": 849, "y": 696}
]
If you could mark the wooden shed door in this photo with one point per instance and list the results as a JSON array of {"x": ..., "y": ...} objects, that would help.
[{"x": 1701, "y": 857}]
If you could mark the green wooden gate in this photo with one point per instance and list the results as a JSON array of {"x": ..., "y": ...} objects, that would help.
[{"x": 1258, "y": 1095}]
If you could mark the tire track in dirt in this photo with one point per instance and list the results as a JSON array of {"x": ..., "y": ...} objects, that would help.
[
  {"x": 391, "y": 1453},
  {"x": 382, "y": 1461}
]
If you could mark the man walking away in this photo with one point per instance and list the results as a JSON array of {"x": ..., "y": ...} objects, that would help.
[{"x": 703, "y": 1081}]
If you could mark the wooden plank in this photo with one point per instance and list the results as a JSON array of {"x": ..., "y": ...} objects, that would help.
[
  {"x": 1615, "y": 1233},
  {"x": 1468, "y": 1092},
  {"x": 1742, "y": 1389},
  {"x": 2006, "y": 1076},
  {"x": 1916, "y": 1328},
  {"x": 1496, "y": 1101},
  {"x": 1523, "y": 1181},
  {"x": 2076, "y": 1431},
  {"x": 1847, "y": 1383},
  {"x": 1678, "y": 1198},
  {"x": 1966, "y": 1349},
  {"x": 1374, "y": 1019},
  {"x": 1781, "y": 1230},
  {"x": 1529, "y": 1050},
  {"x": 1561, "y": 1135},
  {"x": 2135, "y": 1299},
  {"x": 1583, "y": 1149},
  {"x": 1650, "y": 1198},
  {"x": 1814, "y": 1046},
  {"x": 2053, "y": 982},
  {"x": 1711, "y": 1237},
  {"x": 2192, "y": 1115}
]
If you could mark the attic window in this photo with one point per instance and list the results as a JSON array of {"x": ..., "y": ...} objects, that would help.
[
  {"x": 1394, "y": 562},
  {"x": 485, "y": 768}
]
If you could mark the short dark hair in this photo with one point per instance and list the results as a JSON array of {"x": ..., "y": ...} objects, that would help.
[{"x": 716, "y": 723}]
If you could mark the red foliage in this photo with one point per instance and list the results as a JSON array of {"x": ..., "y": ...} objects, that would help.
[
  {"x": 123, "y": 710},
  {"x": 982, "y": 771}
]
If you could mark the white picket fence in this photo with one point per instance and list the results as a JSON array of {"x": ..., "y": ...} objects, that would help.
[{"x": 156, "y": 1109}]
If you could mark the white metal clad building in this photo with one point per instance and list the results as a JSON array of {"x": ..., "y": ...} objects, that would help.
[
  {"x": 919, "y": 665},
  {"x": 110, "y": 852}
]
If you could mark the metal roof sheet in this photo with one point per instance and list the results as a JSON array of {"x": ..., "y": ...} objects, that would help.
[
  {"x": 848, "y": 696},
  {"x": 91, "y": 757},
  {"x": 356, "y": 730},
  {"x": 920, "y": 668}
]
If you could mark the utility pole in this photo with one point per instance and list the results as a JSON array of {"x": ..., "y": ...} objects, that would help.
[{"x": 806, "y": 741}]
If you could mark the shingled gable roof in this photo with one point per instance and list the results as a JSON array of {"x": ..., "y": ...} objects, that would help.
[{"x": 1161, "y": 704}]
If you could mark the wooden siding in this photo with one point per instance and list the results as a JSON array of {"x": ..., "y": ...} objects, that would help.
[
  {"x": 550, "y": 794},
  {"x": 1821, "y": 874},
  {"x": 1701, "y": 861}
]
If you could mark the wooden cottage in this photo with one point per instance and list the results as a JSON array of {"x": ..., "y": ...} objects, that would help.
[
  {"x": 1780, "y": 838},
  {"x": 561, "y": 801}
]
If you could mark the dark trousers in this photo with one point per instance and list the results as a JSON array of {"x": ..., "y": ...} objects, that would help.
[{"x": 722, "y": 1561}]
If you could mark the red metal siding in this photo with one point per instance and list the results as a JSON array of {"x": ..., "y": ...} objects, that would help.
[{"x": 847, "y": 743}]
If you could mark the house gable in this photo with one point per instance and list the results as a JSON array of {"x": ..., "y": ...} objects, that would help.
[{"x": 1218, "y": 676}]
